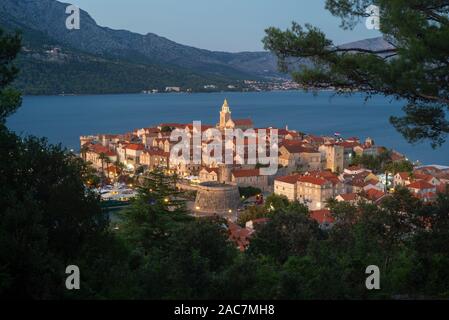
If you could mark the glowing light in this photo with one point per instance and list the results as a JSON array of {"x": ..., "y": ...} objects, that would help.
[
  {"x": 197, "y": 208},
  {"x": 166, "y": 199},
  {"x": 230, "y": 211}
]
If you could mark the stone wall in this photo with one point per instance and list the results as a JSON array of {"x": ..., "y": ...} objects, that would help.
[{"x": 217, "y": 198}]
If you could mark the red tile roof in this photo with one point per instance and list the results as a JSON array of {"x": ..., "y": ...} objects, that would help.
[
  {"x": 135, "y": 146},
  {"x": 349, "y": 196},
  {"x": 243, "y": 122},
  {"x": 420, "y": 185},
  {"x": 313, "y": 180},
  {"x": 372, "y": 182},
  {"x": 425, "y": 177},
  {"x": 98, "y": 148},
  {"x": 239, "y": 235},
  {"x": 296, "y": 148},
  {"x": 326, "y": 175},
  {"x": 240, "y": 173},
  {"x": 347, "y": 144},
  {"x": 322, "y": 216},
  {"x": 374, "y": 194},
  {"x": 289, "y": 179}
]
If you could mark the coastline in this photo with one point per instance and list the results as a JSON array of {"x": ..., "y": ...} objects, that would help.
[{"x": 65, "y": 118}]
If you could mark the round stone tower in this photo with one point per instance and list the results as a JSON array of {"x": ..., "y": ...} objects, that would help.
[{"x": 217, "y": 198}]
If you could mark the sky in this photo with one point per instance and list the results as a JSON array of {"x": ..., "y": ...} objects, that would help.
[{"x": 219, "y": 25}]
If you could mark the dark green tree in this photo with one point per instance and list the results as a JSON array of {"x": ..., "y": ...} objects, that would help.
[
  {"x": 413, "y": 66},
  {"x": 286, "y": 234},
  {"x": 48, "y": 218},
  {"x": 155, "y": 214}
]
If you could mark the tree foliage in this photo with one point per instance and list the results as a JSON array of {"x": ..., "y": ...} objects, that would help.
[
  {"x": 414, "y": 67},
  {"x": 48, "y": 218}
]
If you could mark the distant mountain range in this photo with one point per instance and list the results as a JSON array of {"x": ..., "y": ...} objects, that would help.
[{"x": 98, "y": 59}]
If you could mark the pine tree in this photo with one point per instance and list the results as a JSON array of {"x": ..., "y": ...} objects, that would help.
[{"x": 414, "y": 67}]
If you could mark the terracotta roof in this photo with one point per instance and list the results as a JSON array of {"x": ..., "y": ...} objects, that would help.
[
  {"x": 372, "y": 182},
  {"x": 135, "y": 146},
  {"x": 297, "y": 147},
  {"x": 292, "y": 142},
  {"x": 293, "y": 148},
  {"x": 315, "y": 139},
  {"x": 98, "y": 148},
  {"x": 243, "y": 122},
  {"x": 374, "y": 194},
  {"x": 348, "y": 196},
  {"x": 425, "y": 177},
  {"x": 420, "y": 185},
  {"x": 322, "y": 216},
  {"x": 289, "y": 179},
  {"x": 239, "y": 235},
  {"x": 313, "y": 180},
  {"x": 347, "y": 144},
  {"x": 326, "y": 175},
  {"x": 240, "y": 173}
]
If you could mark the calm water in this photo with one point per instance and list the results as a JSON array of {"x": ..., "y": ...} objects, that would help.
[{"x": 64, "y": 119}]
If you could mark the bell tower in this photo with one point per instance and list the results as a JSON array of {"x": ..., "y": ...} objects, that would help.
[{"x": 225, "y": 114}]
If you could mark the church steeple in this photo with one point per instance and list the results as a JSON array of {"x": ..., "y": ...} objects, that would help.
[
  {"x": 225, "y": 114},
  {"x": 225, "y": 106}
]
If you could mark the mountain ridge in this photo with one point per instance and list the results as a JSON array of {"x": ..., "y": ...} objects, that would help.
[
  {"x": 49, "y": 16},
  {"x": 98, "y": 59}
]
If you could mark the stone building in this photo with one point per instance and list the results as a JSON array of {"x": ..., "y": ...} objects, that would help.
[{"x": 217, "y": 198}]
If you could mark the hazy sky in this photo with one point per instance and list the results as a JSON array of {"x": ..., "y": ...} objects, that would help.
[{"x": 224, "y": 25}]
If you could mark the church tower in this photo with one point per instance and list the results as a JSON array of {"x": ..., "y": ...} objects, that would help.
[{"x": 225, "y": 114}]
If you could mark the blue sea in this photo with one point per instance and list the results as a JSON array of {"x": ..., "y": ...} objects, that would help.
[{"x": 62, "y": 119}]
